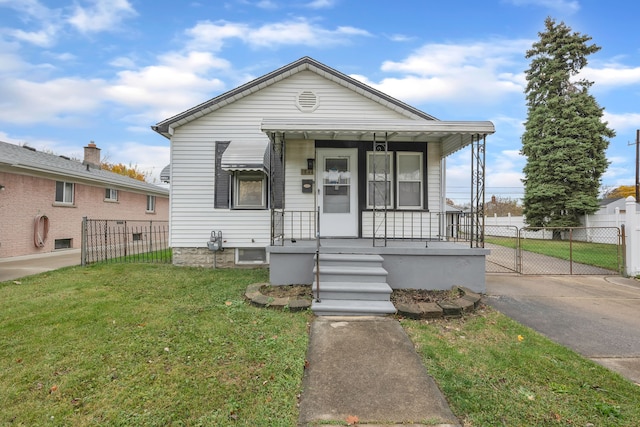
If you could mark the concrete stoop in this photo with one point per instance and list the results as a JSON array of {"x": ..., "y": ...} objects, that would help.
[{"x": 351, "y": 285}]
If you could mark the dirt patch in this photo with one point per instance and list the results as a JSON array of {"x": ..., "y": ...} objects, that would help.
[
  {"x": 404, "y": 296},
  {"x": 284, "y": 291},
  {"x": 411, "y": 296}
]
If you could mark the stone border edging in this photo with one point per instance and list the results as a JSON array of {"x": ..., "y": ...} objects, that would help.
[
  {"x": 466, "y": 303},
  {"x": 256, "y": 298}
]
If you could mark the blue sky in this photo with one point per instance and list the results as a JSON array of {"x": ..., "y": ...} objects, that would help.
[{"x": 106, "y": 70}]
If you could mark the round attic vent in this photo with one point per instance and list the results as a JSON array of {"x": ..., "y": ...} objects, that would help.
[{"x": 307, "y": 101}]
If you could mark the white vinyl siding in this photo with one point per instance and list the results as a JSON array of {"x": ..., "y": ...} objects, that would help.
[
  {"x": 434, "y": 177},
  {"x": 193, "y": 157}
]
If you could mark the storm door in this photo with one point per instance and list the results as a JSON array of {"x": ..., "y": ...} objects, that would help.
[{"x": 337, "y": 178}]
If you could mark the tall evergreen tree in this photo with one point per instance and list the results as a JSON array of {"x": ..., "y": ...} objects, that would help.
[{"x": 565, "y": 138}]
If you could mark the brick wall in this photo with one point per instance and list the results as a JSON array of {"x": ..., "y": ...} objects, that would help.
[{"x": 25, "y": 197}]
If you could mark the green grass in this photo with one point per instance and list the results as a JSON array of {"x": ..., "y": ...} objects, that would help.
[
  {"x": 495, "y": 371},
  {"x": 158, "y": 345},
  {"x": 160, "y": 256},
  {"x": 152, "y": 345},
  {"x": 596, "y": 254}
]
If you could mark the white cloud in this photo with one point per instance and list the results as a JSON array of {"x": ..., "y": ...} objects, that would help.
[
  {"x": 12, "y": 62},
  {"x": 212, "y": 35},
  {"x": 622, "y": 123},
  {"x": 477, "y": 72},
  {"x": 565, "y": 6},
  {"x": 177, "y": 82},
  {"x": 31, "y": 8},
  {"x": 400, "y": 38},
  {"x": 45, "y": 37},
  {"x": 64, "y": 56},
  {"x": 53, "y": 101},
  {"x": 321, "y": 4},
  {"x": 150, "y": 159},
  {"x": 102, "y": 15},
  {"x": 267, "y": 4},
  {"x": 123, "y": 62},
  {"x": 37, "y": 15},
  {"x": 612, "y": 75}
]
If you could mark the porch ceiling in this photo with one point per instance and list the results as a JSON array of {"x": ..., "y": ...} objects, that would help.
[{"x": 453, "y": 135}]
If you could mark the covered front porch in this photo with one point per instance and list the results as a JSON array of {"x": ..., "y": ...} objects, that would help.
[{"x": 359, "y": 209}]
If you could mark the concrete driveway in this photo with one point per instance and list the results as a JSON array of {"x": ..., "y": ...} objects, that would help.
[
  {"x": 20, "y": 266},
  {"x": 597, "y": 316}
]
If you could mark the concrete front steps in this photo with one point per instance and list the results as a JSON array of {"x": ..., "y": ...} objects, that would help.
[{"x": 352, "y": 285}]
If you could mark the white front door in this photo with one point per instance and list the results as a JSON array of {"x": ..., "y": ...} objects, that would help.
[{"x": 337, "y": 179}]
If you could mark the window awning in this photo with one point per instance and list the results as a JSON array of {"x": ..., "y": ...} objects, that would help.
[{"x": 246, "y": 156}]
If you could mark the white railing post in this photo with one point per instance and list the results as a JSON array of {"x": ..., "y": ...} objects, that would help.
[{"x": 632, "y": 236}]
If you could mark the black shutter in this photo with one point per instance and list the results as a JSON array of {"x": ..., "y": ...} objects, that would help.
[
  {"x": 277, "y": 179},
  {"x": 222, "y": 178}
]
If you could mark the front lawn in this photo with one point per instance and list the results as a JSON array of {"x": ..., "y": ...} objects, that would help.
[
  {"x": 158, "y": 345},
  {"x": 154, "y": 345}
]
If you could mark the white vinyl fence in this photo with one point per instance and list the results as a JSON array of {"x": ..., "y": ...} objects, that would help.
[{"x": 632, "y": 236}]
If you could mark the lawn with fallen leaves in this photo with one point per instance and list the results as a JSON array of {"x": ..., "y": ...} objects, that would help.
[
  {"x": 494, "y": 371},
  {"x": 147, "y": 345}
]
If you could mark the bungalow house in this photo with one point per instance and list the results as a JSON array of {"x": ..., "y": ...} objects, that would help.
[
  {"x": 328, "y": 181},
  {"x": 44, "y": 197}
]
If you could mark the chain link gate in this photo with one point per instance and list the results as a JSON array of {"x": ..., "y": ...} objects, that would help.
[{"x": 555, "y": 251}]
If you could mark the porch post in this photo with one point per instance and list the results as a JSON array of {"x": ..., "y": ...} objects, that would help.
[
  {"x": 380, "y": 147},
  {"x": 276, "y": 180},
  {"x": 477, "y": 189}
]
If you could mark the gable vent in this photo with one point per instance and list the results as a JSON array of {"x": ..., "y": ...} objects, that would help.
[{"x": 307, "y": 101}]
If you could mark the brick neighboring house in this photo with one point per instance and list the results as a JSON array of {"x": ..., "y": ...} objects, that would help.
[{"x": 43, "y": 198}]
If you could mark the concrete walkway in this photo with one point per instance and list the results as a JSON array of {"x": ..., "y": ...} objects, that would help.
[
  {"x": 20, "y": 266},
  {"x": 366, "y": 367},
  {"x": 596, "y": 316}
]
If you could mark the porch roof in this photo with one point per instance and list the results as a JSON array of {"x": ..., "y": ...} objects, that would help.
[{"x": 453, "y": 135}]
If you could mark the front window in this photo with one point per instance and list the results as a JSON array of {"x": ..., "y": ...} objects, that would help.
[
  {"x": 409, "y": 180},
  {"x": 64, "y": 192},
  {"x": 379, "y": 178},
  {"x": 111, "y": 194},
  {"x": 250, "y": 191},
  {"x": 151, "y": 203}
]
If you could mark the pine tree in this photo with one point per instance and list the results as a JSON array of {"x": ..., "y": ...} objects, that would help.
[{"x": 565, "y": 138}]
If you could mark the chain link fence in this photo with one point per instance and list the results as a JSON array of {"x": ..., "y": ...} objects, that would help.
[
  {"x": 503, "y": 242},
  {"x": 572, "y": 250},
  {"x": 125, "y": 241}
]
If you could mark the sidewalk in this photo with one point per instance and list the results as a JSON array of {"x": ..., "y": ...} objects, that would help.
[
  {"x": 20, "y": 266},
  {"x": 366, "y": 367}
]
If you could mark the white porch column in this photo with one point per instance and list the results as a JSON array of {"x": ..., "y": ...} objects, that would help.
[{"x": 632, "y": 236}]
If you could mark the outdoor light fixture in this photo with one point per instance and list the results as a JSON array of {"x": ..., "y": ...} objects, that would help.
[{"x": 1, "y": 187}]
